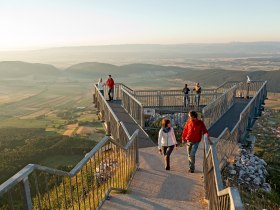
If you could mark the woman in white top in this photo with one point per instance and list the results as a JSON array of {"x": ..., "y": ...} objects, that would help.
[
  {"x": 100, "y": 86},
  {"x": 166, "y": 141}
]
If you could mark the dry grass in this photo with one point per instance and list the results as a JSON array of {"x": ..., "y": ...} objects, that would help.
[
  {"x": 36, "y": 114},
  {"x": 71, "y": 130},
  {"x": 83, "y": 130},
  {"x": 273, "y": 101}
]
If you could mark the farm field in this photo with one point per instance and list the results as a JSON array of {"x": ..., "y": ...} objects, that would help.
[
  {"x": 52, "y": 124},
  {"x": 273, "y": 101}
]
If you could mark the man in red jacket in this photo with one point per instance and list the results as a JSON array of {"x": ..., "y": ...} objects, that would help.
[
  {"x": 192, "y": 134},
  {"x": 110, "y": 83}
]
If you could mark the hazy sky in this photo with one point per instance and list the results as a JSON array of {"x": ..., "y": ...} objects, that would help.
[{"x": 49, "y": 23}]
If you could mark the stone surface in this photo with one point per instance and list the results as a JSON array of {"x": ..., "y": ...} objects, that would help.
[
  {"x": 250, "y": 170},
  {"x": 232, "y": 172}
]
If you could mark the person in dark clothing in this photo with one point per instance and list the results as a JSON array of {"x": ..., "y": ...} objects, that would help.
[
  {"x": 110, "y": 83},
  {"x": 186, "y": 91},
  {"x": 166, "y": 141}
]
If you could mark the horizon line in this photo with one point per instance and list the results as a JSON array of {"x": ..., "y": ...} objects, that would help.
[{"x": 126, "y": 44}]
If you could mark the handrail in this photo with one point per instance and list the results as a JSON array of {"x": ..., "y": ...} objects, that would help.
[
  {"x": 7, "y": 185},
  {"x": 214, "y": 155},
  {"x": 213, "y": 102},
  {"x": 215, "y": 109},
  {"x": 133, "y": 107},
  {"x": 172, "y": 90},
  {"x": 249, "y": 104},
  {"x": 105, "y": 102},
  {"x": 218, "y": 196},
  {"x": 123, "y": 85},
  {"x": 239, "y": 128},
  {"x": 120, "y": 153},
  {"x": 190, "y": 94},
  {"x": 87, "y": 180},
  {"x": 28, "y": 169},
  {"x": 132, "y": 97}
]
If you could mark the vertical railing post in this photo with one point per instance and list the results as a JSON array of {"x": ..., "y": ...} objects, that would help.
[
  {"x": 158, "y": 96},
  {"x": 27, "y": 193},
  {"x": 108, "y": 128},
  {"x": 142, "y": 117},
  {"x": 137, "y": 151}
]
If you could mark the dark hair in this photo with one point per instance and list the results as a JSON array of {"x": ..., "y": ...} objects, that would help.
[
  {"x": 109, "y": 75},
  {"x": 193, "y": 114},
  {"x": 186, "y": 84},
  {"x": 165, "y": 122}
]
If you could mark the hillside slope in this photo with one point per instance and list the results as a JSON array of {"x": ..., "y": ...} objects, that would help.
[
  {"x": 135, "y": 74},
  {"x": 17, "y": 69},
  {"x": 148, "y": 73}
]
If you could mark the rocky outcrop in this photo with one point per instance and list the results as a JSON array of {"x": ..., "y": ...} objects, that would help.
[
  {"x": 249, "y": 171},
  {"x": 177, "y": 119}
]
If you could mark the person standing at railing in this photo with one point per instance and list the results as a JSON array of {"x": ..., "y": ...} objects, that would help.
[
  {"x": 192, "y": 134},
  {"x": 110, "y": 83},
  {"x": 100, "y": 85},
  {"x": 197, "y": 90},
  {"x": 186, "y": 91},
  {"x": 166, "y": 141}
]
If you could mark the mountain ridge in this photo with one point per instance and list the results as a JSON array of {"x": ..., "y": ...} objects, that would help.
[{"x": 136, "y": 73}]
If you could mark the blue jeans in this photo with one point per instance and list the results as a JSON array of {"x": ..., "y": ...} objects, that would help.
[
  {"x": 197, "y": 99},
  {"x": 102, "y": 92},
  {"x": 186, "y": 100},
  {"x": 191, "y": 150}
]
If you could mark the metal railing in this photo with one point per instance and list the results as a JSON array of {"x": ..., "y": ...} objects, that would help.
[
  {"x": 219, "y": 198},
  {"x": 215, "y": 156},
  {"x": 226, "y": 86},
  {"x": 117, "y": 93},
  {"x": 249, "y": 90},
  {"x": 164, "y": 99},
  {"x": 133, "y": 107},
  {"x": 173, "y": 99},
  {"x": 110, "y": 165},
  {"x": 228, "y": 139},
  {"x": 168, "y": 92},
  {"x": 106, "y": 114},
  {"x": 213, "y": 111}
]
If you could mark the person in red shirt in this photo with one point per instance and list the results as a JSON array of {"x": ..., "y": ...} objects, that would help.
[
  {"x": 192, "y": 134},
  {"x": 110, "y": 83}
]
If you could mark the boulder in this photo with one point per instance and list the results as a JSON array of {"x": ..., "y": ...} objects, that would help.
[
  {"x": 266, "y": 187},
  {"x": 263, "y": 162},
  {"x": 232, "y": 172},
  {"x": 257, "y": 181}
]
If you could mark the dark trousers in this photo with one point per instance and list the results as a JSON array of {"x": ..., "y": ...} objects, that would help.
[
  {"x": 167, "y": 152},
  {"x": 111, "y": 94},
  {"x": 186, "y": 100}
]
